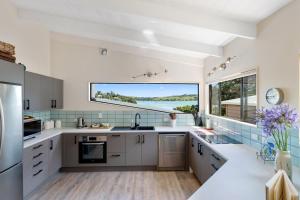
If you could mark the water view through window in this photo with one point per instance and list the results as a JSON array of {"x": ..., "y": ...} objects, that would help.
[{"x": 167, "y": 97}]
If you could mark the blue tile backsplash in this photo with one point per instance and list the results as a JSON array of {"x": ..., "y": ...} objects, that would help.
[
  {"x": 119, "y": 118},
  {"x": 253, "y": 136}
]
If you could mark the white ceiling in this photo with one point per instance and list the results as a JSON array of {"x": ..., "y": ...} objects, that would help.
[{"x": 193, "y": 28}]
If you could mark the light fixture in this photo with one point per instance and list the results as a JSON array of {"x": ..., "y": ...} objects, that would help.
[
  {"x": 148, "y": 32},
  {"x": 103, "y": 51},
  {"x": 150, "y": 74},
  {"x": 223, "y": 66}
]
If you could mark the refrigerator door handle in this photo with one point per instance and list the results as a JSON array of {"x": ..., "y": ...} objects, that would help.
[{"x": 1, "y": 125}]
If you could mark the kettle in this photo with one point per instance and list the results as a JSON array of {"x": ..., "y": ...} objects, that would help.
[{"x": 80, "y": 122}]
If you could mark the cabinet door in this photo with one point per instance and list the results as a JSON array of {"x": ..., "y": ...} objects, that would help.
[
  {"x": 192, "y": 152},
  {"x": 133, "y": 149},
  {"x": 205, "y": 164},
  {"x": 116, "y": 143},
  {"x": 32, "y": 97},
  {"x": 55, "y": 155},
  {"x": 149, "y": 149},
  {"x": 27, "y": 171},
  {"x": 57, "y": 93},
  {"x": 46, "y": 92},
  {"x": 70, "y": 150},
  {"x": 197, "y": 153}
]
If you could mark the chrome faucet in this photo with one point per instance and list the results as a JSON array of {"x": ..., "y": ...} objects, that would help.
[{"x": 135, "y": 120}]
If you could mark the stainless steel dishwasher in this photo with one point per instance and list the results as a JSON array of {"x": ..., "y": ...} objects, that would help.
[{"x": 172, "y": 151}]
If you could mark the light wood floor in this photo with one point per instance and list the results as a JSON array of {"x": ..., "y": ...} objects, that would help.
[{"x": 135, "y": 185}]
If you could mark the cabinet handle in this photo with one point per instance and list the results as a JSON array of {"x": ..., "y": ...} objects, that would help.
[
  {"x": 54, "y": 103},
  {"x": 139, "y": 139},
  {"x": 75, "y": 139},
  {"x": 200, "y": 149},
  {"x": 38, "y": 172},
  {"x": 51, "y": 144},
  {"x": 28, "y": 104},
  {"x": 115, "y": 155},
  {"x": 37, "y": 147},
  {"x": 215, "y": 157},
  {"x": 192, "y": 142},
  {"x": 36, "y": 156},
  {"x": 143, "y": 139},
  {"x": 115, "y": 135},
  {"x": 25, "y": 107},
  {"x": 213, "y": 166},
  {"x": 37, "y": 164}
]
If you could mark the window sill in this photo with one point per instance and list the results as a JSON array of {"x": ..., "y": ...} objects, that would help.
[{"x": 233, "y": 120}]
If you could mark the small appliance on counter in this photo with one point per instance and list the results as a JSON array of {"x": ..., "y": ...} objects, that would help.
[
  {"x": 32, "y": 128},
  {"x": 80, "y": 122},
  {"x": 49, "y": 124},
  {"x": 58, "y": 124}
]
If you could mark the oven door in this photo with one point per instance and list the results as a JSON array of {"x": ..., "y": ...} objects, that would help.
[{"x": 92, "y": 152}]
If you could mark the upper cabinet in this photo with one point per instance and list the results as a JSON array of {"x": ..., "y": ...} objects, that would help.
[{"x": 42, "y": 92}]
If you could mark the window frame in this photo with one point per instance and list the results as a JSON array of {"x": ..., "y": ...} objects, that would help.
[
  {"x": 240, "y": 75},
  {"x": 140, "y": 107}
]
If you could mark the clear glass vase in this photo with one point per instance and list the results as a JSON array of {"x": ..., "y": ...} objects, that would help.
[{"x": 283, "y": 160}]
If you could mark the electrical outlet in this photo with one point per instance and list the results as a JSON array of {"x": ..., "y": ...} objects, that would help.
[
  {"x": 75, "y": 120},
  {"x": 100, "y": 115},
  {"x": 166, "y": 119}
]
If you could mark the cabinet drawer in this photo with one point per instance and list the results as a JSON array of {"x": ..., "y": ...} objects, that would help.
[
  {"x": 38, "y": 176},
  {"x": 216, "y": 160},
  {"x": 116, "y": 143},
  {"x": 39, "y": 148},
  {"x": 115, "y": 159}
]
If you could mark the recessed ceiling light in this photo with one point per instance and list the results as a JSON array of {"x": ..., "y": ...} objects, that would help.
[{"x": 148, "y": 32}]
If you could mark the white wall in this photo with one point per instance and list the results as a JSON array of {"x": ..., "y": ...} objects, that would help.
[
  {"x": 275, "y": 53},
  {"x": 32, "y": 41},
  {"x": 78, "y": 64}
]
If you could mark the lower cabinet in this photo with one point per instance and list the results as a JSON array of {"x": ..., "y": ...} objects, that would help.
[
  {"x": 40, "y": 161},
  {"x": 70, "y": 152},
  {"x": 55, "y": 155},
  {"x": 141, "y": 149},
  {"x": 203, "y": 160},
  {"x": 116, "y": 149}
]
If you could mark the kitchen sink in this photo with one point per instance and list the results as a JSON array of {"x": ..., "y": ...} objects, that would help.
[{"x": 128, "y": 128}]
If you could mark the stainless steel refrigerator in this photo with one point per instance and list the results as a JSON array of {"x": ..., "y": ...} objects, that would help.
[{"x": 11, "y": 131}]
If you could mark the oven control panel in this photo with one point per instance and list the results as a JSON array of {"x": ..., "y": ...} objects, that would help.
[{"x": 101, "y": 138}]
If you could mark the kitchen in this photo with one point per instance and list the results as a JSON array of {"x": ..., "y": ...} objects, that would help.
[{"x": 113, "y": 103}]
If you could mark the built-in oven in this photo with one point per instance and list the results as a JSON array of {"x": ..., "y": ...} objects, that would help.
[
  {"x": 92, "y": 149},
  {"x": 32, "y": 127}
]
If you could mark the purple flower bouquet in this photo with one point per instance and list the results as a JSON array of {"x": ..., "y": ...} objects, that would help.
[{"x": 276, "y": 122}]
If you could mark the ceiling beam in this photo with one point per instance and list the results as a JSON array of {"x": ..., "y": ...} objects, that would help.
[
  {"x": 153, "y": 11},
  {"x": 121, "y": 35},
  {"x": 159, "y": 12}
]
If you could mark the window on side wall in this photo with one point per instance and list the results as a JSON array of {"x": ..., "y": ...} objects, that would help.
[{"x": 235, "y": 99}]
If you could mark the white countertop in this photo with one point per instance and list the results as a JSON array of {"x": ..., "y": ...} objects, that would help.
[{"x": 242, "y": 177}]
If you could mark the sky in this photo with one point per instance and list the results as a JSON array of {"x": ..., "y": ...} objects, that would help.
[{"x": 147, "y": 90}]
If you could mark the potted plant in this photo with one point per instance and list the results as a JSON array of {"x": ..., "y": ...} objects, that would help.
[
  {"x": 277, "y": 123},
  {"x": 173, "y": 119}
]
